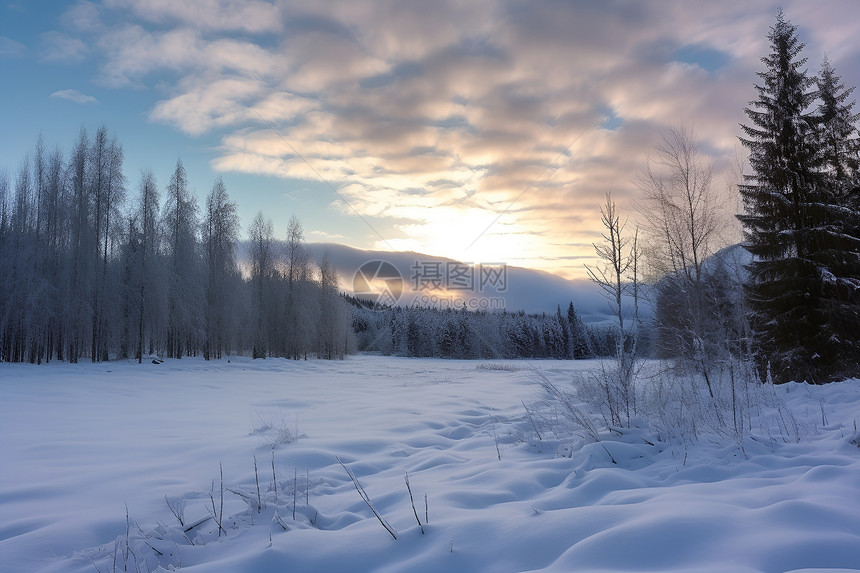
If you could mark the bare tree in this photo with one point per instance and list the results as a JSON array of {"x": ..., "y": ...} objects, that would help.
[
  {"x": 261, "y": 234},
  {"x": 296, "y": 304},
  {"x": 148, "y": 285},
  {"x": 83, "y": 245},
  {"x": 680, "y": 207},
  {"x": 680, "y": 204},
  {"x": 616, "y": 258},
  {"x": 333, "y": 315},
  {"x": 220, "y": 236},
  {"x": 185, "y": 291},
  {"x": 108, "y": 191},
  {"x": 619, "y": 258}
]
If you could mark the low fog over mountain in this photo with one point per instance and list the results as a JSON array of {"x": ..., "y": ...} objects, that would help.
[{"x": 522, "y": 289}]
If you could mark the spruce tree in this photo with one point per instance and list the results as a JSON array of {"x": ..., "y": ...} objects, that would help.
[
  {"x": 836, "y": 232},
  {"x": 783, "y": 284},
  {"x": 793, "y": 226},
  {"x": 837, "y": 131}
]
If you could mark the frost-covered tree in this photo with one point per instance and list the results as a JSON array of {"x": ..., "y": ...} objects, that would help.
[
  {"x": 82, "y": 274},
  {"x": 681, "y": 218},
  {"x": 298, "y": 308},
  {"x": 82, "y": 249},
  {"x": 333, "y": 332},
  {"x": 185, "y": 285},
  {"x": 579, "y": 340},
  {"x": 148, "y": 283},
  {"x": 220, "y": 237},
  {"x": 108, "y": 192},
  {"x": 616, "y": 275},
  {"x": 261, "y": 235},
  {"x": 55, "y": 250}
]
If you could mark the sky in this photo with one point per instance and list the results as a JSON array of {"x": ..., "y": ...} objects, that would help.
[{"x": 484, "y": 131}]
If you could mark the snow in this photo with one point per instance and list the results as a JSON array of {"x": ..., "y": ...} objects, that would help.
[{"x": 80, "y": 443}]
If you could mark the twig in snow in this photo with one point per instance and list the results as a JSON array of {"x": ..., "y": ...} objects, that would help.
[
  {"x": 608, "y": 454},
  {"x": 360, "y": 489},
  {"x": 257, "y": 478},
  {"x": 280, "y": 521},
  {"x": 412, "y": 500},
  {"x": 125, "y": 555},
  {"x": 496, "y": 439},
  {"x": 197, "y": 523},
  {"x": 531, "y": 419},
  {"x": 274, "y": 478},
  {"x": 215, "y": 516},
  {"x": 295, "y": 490},
  {"x": 177, "y": 508}
]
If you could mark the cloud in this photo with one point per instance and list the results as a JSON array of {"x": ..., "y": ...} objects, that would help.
[
  {"x": 83, "y": 16},
  {"x": 252, "y": 16},
  {"x": 9, "y": 48},
  {"x": 452, "y": 115},
  {"x": 59, "y": 47},
  {"x": 75, "y": 96}
]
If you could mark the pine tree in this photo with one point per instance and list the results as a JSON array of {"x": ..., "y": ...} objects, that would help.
[
  {"x": 836, "y": 234},
  {"x": 837, "y": 130},
  {"x": 788, "y": 224}
]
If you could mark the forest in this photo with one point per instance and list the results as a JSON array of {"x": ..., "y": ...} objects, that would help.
[
  {"x": 447, "y": 333},
  {"x": 92, "y": 269}
]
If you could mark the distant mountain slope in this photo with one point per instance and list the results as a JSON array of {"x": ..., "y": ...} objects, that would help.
[
  {"x": 735, "y": 258},
  {"x": 524, "y": 289},
  {"x": 530, "y": 290}
]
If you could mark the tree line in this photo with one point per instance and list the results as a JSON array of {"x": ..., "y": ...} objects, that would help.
[
  {"x": 432, "y": 332},
  {"x": 90, "y": 270}
]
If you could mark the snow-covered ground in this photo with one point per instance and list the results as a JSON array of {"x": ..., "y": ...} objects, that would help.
[{"x": 80, "y": 444}]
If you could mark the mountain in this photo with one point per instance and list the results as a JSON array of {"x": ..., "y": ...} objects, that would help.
[
  {"x": 407, "y": 276},
  {"x": 431, "y": 280}
]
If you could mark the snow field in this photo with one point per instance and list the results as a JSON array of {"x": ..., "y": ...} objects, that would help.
[{"x": 79, "y": 443}]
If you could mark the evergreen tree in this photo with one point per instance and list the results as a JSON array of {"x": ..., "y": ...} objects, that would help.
[
  {"x": 837, "y": 131},
  {"x": 578, "y": 334},
  {"x": 789, "y": 223},
  {"x": 836, "y": 229}
]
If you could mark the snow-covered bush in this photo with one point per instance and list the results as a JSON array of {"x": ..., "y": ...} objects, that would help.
[{"x": 671, "y": 402}]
